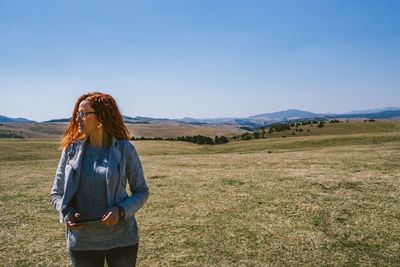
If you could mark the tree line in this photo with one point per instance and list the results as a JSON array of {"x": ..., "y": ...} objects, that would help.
[
  {"x": 263, "y": 132},
  {"x": 196, "y": 139}
]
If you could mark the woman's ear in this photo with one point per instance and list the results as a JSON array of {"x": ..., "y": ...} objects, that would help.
[{"x": 99, "y": 125}]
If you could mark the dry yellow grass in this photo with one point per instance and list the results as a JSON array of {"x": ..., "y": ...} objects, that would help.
[
  {"x": 302, "y": 201},
  {"x": 164, "y": 130},
  {"x": 330, "y": 206},
  {"x": 33, "y": 130},
  {"x": 350, "y": 127},
  {"x": 167, "y": 130}
]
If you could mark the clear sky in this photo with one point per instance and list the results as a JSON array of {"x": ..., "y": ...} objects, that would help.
[{"x": 199, "y": 58}]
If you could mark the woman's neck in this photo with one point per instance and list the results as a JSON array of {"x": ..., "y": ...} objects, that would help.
[{"x": 100, "y": 138}]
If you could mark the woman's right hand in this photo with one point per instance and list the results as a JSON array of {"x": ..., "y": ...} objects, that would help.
[{"x": 71, "y": 223}]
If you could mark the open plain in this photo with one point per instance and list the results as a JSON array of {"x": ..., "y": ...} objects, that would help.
[{"x": 328, "y": 199}]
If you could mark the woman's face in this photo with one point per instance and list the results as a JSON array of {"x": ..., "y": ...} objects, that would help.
[{"x": 86, "y": 118}]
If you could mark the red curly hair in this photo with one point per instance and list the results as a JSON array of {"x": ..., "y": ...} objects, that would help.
[{"x": 107, "y": 113}]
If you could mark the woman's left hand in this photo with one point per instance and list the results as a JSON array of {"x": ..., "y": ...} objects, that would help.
[{"x": 111, "y": 217}]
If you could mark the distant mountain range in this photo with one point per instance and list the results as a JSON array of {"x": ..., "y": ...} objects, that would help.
[
  {"x": 369, "y": 111},
  {"x": 126, "y": 120},
  {"x": 266, "y": 119},
  {"x": 252, "y": 121},
  {"x": 7, "y": 119},
  {"x": 290, "y": 114}
]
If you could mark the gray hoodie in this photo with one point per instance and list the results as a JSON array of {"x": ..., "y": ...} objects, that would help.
[{"x": 123, "y": 165}]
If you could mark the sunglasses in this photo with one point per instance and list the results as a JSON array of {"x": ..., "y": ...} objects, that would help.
[{"x": 84, "y": 114}]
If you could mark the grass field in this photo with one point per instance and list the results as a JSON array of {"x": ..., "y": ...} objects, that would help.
[{"x": 325, "y": 200}]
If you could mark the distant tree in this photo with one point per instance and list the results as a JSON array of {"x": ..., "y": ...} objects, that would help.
[
  {"x": 246, "y": 136},
  {"x": 263, "y": 132},
  {"x": 271, "y": 130},
  {"x": 281, "y": 127},
  {"x": 321, "y": 124},
  {"x": 200, "y": 139},
  {"x": 221, "y": 139}
]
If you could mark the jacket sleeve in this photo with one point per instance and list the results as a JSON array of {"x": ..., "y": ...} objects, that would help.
[
  {"x": 57, "y": 190},
  {"x": 137, "y": 184}
]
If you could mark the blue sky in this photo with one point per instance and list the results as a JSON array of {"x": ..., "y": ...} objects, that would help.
[{"x": 199, "y": 58}]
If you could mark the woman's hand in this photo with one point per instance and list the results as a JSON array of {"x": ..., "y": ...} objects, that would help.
[
  {"x": 111, "y": 217},
  {"x": 71, "y": 223}
]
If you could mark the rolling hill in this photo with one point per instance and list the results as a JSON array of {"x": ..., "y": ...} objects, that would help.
[{"x": 166, "y": 128}]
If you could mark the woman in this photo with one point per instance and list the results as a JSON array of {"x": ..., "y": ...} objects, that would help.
[{"x": 89, "y": 189}]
